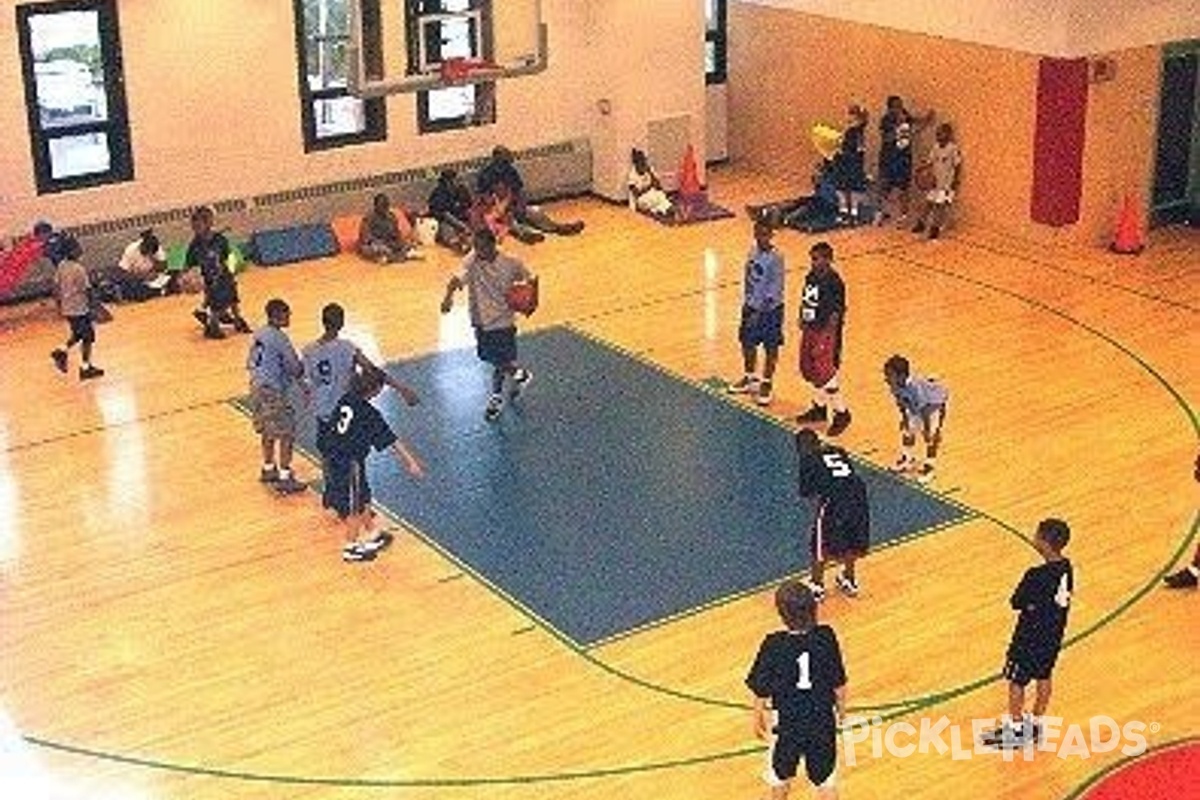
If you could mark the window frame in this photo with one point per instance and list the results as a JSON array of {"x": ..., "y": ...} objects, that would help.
[
  {"x": 719, "y": 37},
  {"x": 115, "y": 127},
  {"x": 374, "y": 109},
  {"x": 485, "y": 92}
]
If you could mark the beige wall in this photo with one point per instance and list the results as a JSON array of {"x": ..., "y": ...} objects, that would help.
[
  {"x": 650, "y": 65},
  {"x": 214, "y": 105},
  {"x": 783, "y": 80},
  {"x": 1044, "y": 27}
]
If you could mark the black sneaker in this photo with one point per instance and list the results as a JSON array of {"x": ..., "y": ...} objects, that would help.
[
  {"x": 89, "y": 372},
  {"x": 494, "y": 407},
  {"x": 60, "y": 360},
  {"x": 841, "y": 421},
  {"x": 380, "y": 541},
  {"x": 290, "y": 485},
  {"x": 1006, "y": 737},
  {"x": 813, "y": 415},
  {"x": 200, "y": 316},
  {"x": 935, "y": 232},
  {"x": 268, "y": 475},
  {"x": 919, "y": 227},
  {"x": 357, "y": 552},
  {"x": 213, "y": 332},
  {"x": 240, "y": 325},
  {"x": 1184, "y": 579},
  {"x": 571, "y": 228}
]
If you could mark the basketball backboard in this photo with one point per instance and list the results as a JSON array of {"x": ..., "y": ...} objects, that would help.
[{"x": 401, "y": 46}]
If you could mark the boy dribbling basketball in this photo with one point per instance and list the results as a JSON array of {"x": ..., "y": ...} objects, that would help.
[{"x": 488, "y": 275}]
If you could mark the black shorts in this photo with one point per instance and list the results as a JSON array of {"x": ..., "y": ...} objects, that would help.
[
  {"x": 221, "y": 295},
  {"x": 498, "y": 347},
  {"x": 324, "y": 430},
  {"x": 895, "y": 172},
  {"x": 82, "y": 329},
  {"x": 1028, "y": 663},
  {"x": 842, "y": 527},
  {"x": 766, "y": 330},
  {"x": 347, "y": 491},
  {"x": 818, "y": 750}
]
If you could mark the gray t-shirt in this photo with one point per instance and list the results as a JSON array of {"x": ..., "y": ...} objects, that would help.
[
  {"x": 328, "y": 368},
  {"x": 272, "y": 361},
  {"x": 72, "y": 284},
  {"x": 487, "y": 286}
]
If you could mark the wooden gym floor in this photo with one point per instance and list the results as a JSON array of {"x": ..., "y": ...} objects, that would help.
[{"x": 169, "y": 630}]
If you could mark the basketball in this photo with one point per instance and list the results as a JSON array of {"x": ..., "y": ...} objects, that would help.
[{"x": 523, "y": 298}]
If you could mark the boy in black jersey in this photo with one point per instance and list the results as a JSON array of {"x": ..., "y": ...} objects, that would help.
[
  {"x": 1043, "y": 598},
  {"x": 800, "y": 674},
  {"x": 842, "y": 527},
  {"x": 356, "y": 428}
]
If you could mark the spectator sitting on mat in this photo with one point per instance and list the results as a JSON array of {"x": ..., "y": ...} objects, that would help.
[
  {"x": 380, "y": 238},
  {"x": 450, "y": 204},
  {"x": 645, "y": 190},
  {"x": 500, "y": 170},
  {"x": 141, "y": 273}
]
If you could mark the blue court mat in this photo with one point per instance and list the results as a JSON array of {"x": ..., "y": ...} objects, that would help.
[{"x": 611, "y": 495}]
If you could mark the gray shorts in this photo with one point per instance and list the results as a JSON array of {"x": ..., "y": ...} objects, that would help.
[{"x": 272, "y": 413}]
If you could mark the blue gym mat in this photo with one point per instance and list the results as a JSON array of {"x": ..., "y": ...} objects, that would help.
[{"x": 612, "y": 495}]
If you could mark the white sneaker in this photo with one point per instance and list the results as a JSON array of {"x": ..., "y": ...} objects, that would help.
[
  {"x": 905, "y": 463},
  {"x": 817, "y": 589},
  {"x": 925, "y": 474},
  {"x": 746, "y": 385},
  {"x": 847, "y": 586},
  {"x": 520, "y": 379}
]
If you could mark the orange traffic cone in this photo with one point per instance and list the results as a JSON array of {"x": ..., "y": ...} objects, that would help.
[
  {"x": 1128, "y": 238},
  {"x": 689, "y": 177}
]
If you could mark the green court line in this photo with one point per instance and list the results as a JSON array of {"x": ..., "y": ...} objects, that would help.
[
  {"x": 397, "y": 783},
  {"x": 1120, "y": 764},
  {"x": 917, "y": 705}
]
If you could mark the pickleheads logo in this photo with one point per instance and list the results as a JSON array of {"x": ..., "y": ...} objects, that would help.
[{"x": 992, "y": 737}]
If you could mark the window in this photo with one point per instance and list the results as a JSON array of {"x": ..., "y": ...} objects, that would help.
[
  {"x": 74, "y": 94},
  {"x": 714, "y": 41},
  {"x": 331, "y": 117},
  {"x": 441, "y": 30}
]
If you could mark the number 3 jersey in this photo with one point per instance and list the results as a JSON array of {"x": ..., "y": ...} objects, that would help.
[
  {"x": 1044, "y": 598},
  {"x": 357, "y": 427},
  {"x": 799, "y": 672}
]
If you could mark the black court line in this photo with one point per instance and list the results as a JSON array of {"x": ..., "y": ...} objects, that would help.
[
  {"x": 95, "y": 429},
  {"x": 1051, "y": 265}
]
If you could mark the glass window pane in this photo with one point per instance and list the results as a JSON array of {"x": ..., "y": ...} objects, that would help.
[
  {"x": 456, "y": 39},
  {"x": 456, "y": 102},
  {"x": 323, "y": 17},
  {"x": 339, "y": 116},
  {"x": 328, "y": 64},
  {"x": 74, "y": 156},
  {"x": 710, "y": 58},
  {"x": 68, "y": 68},
  {"x": 710, "y": 14}
]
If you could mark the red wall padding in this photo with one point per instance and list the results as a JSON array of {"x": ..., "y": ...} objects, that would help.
[{"x": 1058, "y": 140}]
